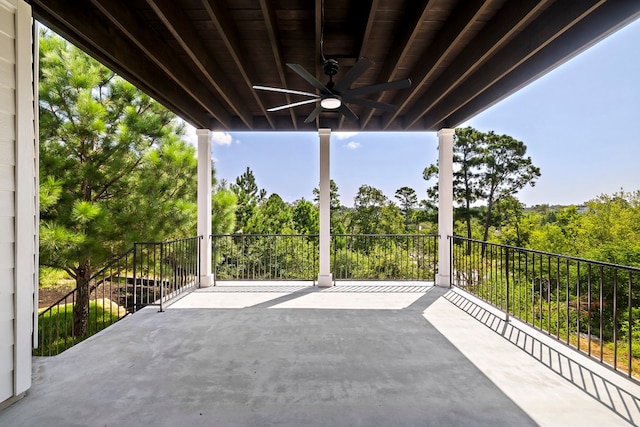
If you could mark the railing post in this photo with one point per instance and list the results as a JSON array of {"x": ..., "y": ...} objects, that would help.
[
  {"x": 214, "y": 261},
  {"x": 161, "y": 277},
  {"x": 135, "y": 279},
  {"x": 335, "y": 257},
  {"x": 506, "y": 257},
  {"x": 450, "y": 241}
]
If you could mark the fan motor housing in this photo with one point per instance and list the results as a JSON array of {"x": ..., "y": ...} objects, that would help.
[{"x": 330, "y": 67}]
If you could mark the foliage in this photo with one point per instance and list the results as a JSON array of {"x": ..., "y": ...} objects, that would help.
[
  {"x": 113, "y": 167},
  {"x": 248, "y": 196},
  {"x": 305, "y": 217},
  {"x": 223, "y": 211},
  {"x": 374, "y": 213},
  {"x": 273, "y": 216},
  {"x": 52, "y": 277},
  {"x": 487, "y": 168},
  {"x": 334, "y": 196},
  {"x": 408, "y": 200}
]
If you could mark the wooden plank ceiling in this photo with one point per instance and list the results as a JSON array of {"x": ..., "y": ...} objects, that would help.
[{"x": 201, "y": 58}]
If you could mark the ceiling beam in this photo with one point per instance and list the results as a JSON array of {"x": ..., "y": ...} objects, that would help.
[
  {"x": 580, "y": 37},
  {"x": 271, "y": 22},
  {"x": 223, "y": 21},
  {"x": 364, "y": 44},
  {"x": 509, "y": 20},
  {"x": 158, "y": 51},
  {"x": 549, "y": 25},
  {"x": 175, "y": 20},
  {"x": 400, "y": 48},
  {"x": 84, "y": 27},
  {"x": 462, "y": 18}
]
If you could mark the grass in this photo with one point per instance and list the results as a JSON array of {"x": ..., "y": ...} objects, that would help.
[
  {"x": 608, "y": 354},
  {"x": 55, "y": 326},
  {"x": 52, "y": 278}
]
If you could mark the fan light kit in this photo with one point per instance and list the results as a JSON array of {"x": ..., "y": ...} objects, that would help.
[
  {"x": 336, "y": 96},
  {"x": 331, "y": 103}
]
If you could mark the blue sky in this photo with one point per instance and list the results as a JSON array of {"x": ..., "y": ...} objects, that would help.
[{"x": 579, "y": 123}]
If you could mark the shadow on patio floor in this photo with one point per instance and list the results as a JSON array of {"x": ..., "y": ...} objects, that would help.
[{"x": 274, "y": 358}]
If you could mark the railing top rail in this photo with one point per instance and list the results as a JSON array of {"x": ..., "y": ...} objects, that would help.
[
  {"x": 564, "y": 257},
  {"x": 164, "y": 242},
  {"x": 264, "y": 235},
  {"x": 332, "y": 234},
  {"x": 385, "y": 235}
]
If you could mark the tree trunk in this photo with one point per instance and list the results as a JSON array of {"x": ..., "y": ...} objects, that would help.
[
  {"x": 81, "y": 307},
  {"x": 468, "y": 221},
  {"x": 487, "y": 223}
]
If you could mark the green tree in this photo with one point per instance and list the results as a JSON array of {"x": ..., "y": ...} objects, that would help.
[
  {"x": 273, "y": 216},
  {"x": 305, "y": 217},
  {"x": 373, "y": 213},
  {"x": 336, "y": 209},
  {"x": 467, "y": 159},
  {"x": 487, "y": 168},
  {"x": 408, "y": 200},
  {"x": 506, "y": 170},
  {"x": 223, "y": 211},
  {"x": 112, "y": 165},
  {"x": 248, "y": 195},
  {"x": 512, "y": 222}
]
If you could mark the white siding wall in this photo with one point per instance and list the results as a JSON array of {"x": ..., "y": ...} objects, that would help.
[
  {"x": 18, "y": 199},
  {"x": 7, "y": 199}
]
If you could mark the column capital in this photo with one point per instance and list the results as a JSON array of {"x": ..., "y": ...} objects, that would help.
[
  {"x": 446, "y": 132},
  {"x": 203, "y": 132},
  {"x": 324, "y": 132}
]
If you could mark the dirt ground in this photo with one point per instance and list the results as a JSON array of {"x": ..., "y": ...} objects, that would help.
[{"x": 52, "y": 294}]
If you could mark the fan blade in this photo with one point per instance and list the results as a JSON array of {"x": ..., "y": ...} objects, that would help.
[
  {"x": 346, "y": 111},
  {"x": 380, "y": 87},
  {"x": 352, "y": 75},
  {"x": 295, "y": 104},
  {"x": 371, "y": 104},
  {"x": 309, "y": 78},
  {"x": 311, "y": 117},
  {"x": 277, "y": 89}
]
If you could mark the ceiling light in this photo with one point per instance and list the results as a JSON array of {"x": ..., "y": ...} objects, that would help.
[{"x": 331, "y": 103}]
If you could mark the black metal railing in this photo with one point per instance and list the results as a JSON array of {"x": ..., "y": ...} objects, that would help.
[
  {"x": 264, "y": 256},
  {"x": 150, "y": 273},
  {"x": 384, "y": 256},
  {"x": 296, "y": 256},
  {"x": 591, "y": 306}
]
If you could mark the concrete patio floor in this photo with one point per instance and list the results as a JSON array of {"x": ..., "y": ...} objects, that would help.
[{"x": 286, "y": 354}]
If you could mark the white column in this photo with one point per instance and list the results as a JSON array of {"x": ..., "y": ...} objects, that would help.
[
  {"x": 204, "y": 205},
  {"x": 445, "y": 205},
  {"x": 324, "y": 276}
]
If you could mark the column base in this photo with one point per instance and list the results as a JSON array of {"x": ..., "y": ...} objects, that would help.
[
  {"x": 443, "y": 281},
  {"x": 325, "y": 280},
  {"x": 206, "y": 281}
]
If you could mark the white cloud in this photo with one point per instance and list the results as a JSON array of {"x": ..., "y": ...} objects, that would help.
[
  {"x": 217, "y": 138},
  {"x": 221, "y": 138},
  {"x": 352, "y": 145},
  {"x": 345, "y": 135},
  {"x": 190, "y": 135}
]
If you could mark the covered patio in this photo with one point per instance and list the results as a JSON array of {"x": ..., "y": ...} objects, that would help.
[
  {"x": 290, "y": 354},
  {"x": 294, "y": 354}
]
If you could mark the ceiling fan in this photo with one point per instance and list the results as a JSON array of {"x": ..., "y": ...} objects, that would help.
[{"x": 335, "y": 96}]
